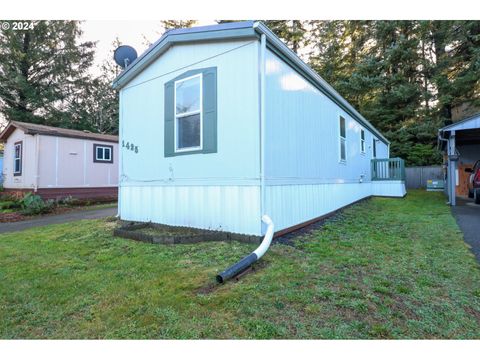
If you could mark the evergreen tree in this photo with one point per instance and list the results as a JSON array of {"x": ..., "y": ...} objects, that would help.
[
  {"x": 292, "y": 32},
  {"x": 96, "y": 107},
  {"x": 41, "y": 70},
  {"x": 177, "y": 24},
  {"x": 166, "y": 25}
]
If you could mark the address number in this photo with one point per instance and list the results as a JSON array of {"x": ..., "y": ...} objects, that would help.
[{"x": 130, "y": 146}]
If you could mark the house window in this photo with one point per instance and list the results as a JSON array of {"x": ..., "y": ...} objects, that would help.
[
  {"x": 343, "y": 140},
  {"x": 102, "y": 153},
  {"x": 362, "y": 141},
  {"x": 374, "y": 147},
  {"x": 17, "y": 159},
  {"x": 188, "y": 113}
]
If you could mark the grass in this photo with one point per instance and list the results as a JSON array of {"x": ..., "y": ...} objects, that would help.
[{"x": 384, "y": 268}]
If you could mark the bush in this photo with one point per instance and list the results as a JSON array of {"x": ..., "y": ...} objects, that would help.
[
  {"x": 34, "y": 205},
  {"x": 68, "y": 201},
  {"x": 9, "y": 204}
]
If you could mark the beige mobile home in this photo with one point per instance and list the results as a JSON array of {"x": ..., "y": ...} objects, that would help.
[{"x": 55, "y": 163}]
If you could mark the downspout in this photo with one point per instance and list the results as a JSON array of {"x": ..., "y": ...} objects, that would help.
[
  {"x": 120, "y": 156},
  {"x": 267, "y": 240},
  {"x": 263, "y": 49},
  {"x": 440, "y": 139},
  {"x": 37, "y": 157},
  {"x": 452, "y": 160}
]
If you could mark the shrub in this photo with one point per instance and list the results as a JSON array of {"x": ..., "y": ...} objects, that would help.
[
  {"x": 9, "y": 204},
  {"x": 68, "y": 201},
  {"x": 34, "y": 205}
]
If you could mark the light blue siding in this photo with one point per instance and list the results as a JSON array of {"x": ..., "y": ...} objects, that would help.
[
  {"x": 302, "y": 135},
  {"x": 1, "y": 170},
  {"x": 304, "y": 175},
  {"x": 142, "y": 120}
]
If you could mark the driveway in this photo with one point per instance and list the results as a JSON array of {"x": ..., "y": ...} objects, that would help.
[
  {"x": 467, "y": 214},
  {"x": 58, "y": 219}
]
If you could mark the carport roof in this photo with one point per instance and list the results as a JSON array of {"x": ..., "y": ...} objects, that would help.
[
  {"x": 467, "y": 131},
  {"x": 472, "y": 122}
]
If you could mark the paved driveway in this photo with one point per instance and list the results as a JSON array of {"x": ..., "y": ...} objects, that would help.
[
  {"x": 467, "y": 214},
  {"x": 58, "y": 219}
]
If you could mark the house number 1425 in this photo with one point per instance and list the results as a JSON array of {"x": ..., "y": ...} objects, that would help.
[{"x": 130, "y": 146}]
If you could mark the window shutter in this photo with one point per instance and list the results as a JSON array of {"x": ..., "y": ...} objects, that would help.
[
  {"x": 210, "y": 110},
  {"x": 169, "y": 131}
]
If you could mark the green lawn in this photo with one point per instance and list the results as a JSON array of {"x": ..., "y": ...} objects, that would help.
[{"x": 385, "y": 268}]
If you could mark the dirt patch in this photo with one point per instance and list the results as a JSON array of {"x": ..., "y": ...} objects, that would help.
[
  {"x": 207, "y": 289},
  {"x": 297, "y": 237}
]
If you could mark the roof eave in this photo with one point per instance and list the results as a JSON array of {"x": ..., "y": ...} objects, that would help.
[{"x": 171, "y": 38}]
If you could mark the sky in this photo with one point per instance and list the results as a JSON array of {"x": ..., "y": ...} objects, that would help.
[{"x": 133, "y": 33}]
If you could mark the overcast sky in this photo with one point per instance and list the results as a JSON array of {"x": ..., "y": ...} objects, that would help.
[{"x": 131, "y": 33}]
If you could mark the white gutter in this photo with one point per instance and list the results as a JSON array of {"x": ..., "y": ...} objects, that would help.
[
  {"x": 37, "y": 156},
  {"x": 263, "y": 48}
]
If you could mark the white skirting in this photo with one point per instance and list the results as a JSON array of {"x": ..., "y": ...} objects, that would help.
[
  {"x": 290, "y": 205},
  {"x": 236, "y": 208},
  {"x": 392, "y": 188},
  {"x": 227, "y": 208}
]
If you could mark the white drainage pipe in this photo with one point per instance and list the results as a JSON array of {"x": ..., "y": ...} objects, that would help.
[{"x": 254, "y": 256}]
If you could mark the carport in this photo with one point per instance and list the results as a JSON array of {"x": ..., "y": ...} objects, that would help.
[{"x": 460, "y": 143}]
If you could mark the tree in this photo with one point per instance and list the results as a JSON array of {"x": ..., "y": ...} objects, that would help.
[
  {"x": 166, "y": 25},
  {"x": 41, "y": 69},
  {"x": 293, "y": 32},
  {"x": 177, "y": 24},
  {"x": 457, "y": 64},
  {"x": 96, "y": 107},
  {"x": 387, "y": 70}
]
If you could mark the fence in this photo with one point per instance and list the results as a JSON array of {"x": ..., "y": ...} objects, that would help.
[
  {"x": 417, "y": 176},
  {"x": 388, "y": 169}
]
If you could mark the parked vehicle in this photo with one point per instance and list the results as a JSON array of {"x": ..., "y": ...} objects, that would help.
[{"x": 474, "y": 182}]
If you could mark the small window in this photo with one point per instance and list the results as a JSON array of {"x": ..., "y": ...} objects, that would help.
[
  {"x": 374, "y": 147},
  {"x": 188, "y": 113},
  {"x": 102, "y": 153},
  {"x": 343, "y": 140},
  {"x": 362, "y": 141},
  {"x": 17, "y": 159}
]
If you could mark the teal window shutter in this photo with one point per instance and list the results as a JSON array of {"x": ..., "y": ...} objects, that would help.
[
  {"x": 210, "y": 110},
  {"x": 209, "y": 113},
  {"x": 169, "y": 130}
]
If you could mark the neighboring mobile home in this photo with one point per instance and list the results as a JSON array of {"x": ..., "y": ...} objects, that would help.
[
  {"x": 55, "y": 163},
  {"x": 230, "y": 124}
]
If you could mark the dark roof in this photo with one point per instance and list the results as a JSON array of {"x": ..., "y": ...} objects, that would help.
[
  {"x": 239, "y": 30},
  {"x": 33, "y": 129}
]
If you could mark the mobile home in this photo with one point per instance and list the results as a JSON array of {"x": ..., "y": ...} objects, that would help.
[
  {"x": 222, "y": 124},
  {"x": 55, "y": 162}
]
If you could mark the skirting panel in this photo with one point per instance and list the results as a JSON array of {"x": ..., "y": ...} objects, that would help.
[
  {"x": 224, "y": 208},
  {"x": 390, "y": 188},
  {"x": 289, "y": 205}
]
